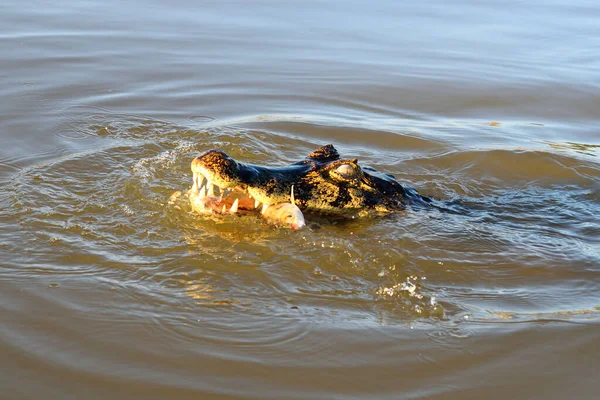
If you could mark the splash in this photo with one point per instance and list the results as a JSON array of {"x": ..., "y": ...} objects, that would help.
[{"x": 411, "y": 295}]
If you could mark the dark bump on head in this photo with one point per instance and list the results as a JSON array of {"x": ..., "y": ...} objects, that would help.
[{"x": 324, "y": 153}]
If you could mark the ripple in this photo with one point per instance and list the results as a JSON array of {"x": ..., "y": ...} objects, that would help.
[
  {"x": 579, "y": 148},
  {"x": 110, "y": 208}
]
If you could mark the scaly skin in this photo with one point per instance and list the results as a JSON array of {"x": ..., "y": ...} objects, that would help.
[{"x": 323, "y": 183}]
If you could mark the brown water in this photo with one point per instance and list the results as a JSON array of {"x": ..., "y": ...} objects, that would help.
[{"x": 108, "y": 290}]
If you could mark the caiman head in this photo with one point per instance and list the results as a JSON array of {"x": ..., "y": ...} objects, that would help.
[{"x": 323, "y": 183}]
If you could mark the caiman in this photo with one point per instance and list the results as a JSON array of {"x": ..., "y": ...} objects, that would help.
[{"x": 322, "y": 183}]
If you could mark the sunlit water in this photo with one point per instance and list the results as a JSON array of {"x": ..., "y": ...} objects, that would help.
[{"x": 112, "y": 287}]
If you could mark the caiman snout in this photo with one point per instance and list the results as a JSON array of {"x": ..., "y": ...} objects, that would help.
[
  {"x": 323, "y": 182},
  {"x": 219, "y": 187}
]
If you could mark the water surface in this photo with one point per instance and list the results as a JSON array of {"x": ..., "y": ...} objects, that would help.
[{"x": 109, "y": 288}]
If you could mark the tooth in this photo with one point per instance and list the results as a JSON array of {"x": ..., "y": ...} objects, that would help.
[
  {"x": 264, "y": 208},
  {"x": 234, "y": 207},
  {"x": 195, "y": 182},
  {"x": 211, "y": 189},
  {"x": 224, "y": 210},
  {"x": 202, "y": 193},
  {"x": 256, "y": 203}
]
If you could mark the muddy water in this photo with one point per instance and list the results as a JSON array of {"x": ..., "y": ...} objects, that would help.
[{"x": 110, "y": 290}]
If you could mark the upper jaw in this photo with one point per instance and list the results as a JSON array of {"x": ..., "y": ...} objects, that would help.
[{"x": 216, "y": 167}]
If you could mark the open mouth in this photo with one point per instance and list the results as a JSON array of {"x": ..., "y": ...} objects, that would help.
[{"x": 208, "y": 197}]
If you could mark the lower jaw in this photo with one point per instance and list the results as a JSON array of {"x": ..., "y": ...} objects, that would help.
[{"x": 232, "y": 204}]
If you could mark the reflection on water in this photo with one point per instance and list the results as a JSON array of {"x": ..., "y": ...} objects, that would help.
[
  {"x": 580, "y": 148},
  {"x": 112, "y": 288}
]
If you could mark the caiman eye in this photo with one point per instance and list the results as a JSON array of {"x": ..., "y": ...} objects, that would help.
[{"x": 346, "y": 171}]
